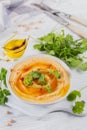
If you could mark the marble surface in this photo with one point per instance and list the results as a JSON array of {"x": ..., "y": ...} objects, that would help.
[{"x": 55, "y": 121}]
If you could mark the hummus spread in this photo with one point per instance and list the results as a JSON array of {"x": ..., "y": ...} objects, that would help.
[{"x": 39, "y": 80}]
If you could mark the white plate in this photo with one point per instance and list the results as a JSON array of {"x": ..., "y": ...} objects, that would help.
[{"x": 40, "y": 55}]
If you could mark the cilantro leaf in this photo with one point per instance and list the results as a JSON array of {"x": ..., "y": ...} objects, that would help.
[
  {"x": 28, "y": 80},
  {"x": 3, "y": 100},
  {"x": 48, "y": 88},
  {"x": 57, "y": 75},
  {"x": 1, "y": 93},
  {"x": 4, "y": 93},
  {"x": 3, "y": 96},
  {"x": 30, "y": 77},
  {"x": 78, "y": 108},
  {"x": 64, "y": 47},
  {"x": 83, "y": 66},
  {"x": 74, "y": 61},
  {"x": 40, "y": 47},
  {"x": 42, "y": 79},
  {"x": 3, "y": 73},
  {"x": 50, "y": 71},
  {"x": 35, "y": 74},
  {"x": 73, "y": 95}
]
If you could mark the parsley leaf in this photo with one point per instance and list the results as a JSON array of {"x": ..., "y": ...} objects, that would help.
[
  {"x": 28, "y": 80},
  {"x": 35, "y": 74},
  {"x": 83, "y": 66},
  {"x": 3, "y": 100},
  {"x": 1, "y": 93},
  {"x": 48, "y": 88},
  {"x": 42, "y": 79},
  {"x": 79, "y": 107},
  {"x": 73, "y": 95},
  {"x": 74, "y": 61},
  {"x": 50, "y": 71},
  {"x": 55, "y": 73},
  {"x": 3, "y": 73},
  {"x": 4, "y": 93},
  {"x": 64, "y": 47},
  {"x": 40, "y": 47},
  {"x": 3, "y": 96},
  {"x": 30, "y": 77}
]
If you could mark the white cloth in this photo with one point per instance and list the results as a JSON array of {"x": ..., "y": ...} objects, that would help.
[{"x": 4, "y": 17}]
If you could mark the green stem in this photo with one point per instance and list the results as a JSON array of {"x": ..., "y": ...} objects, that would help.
[
  {"x": 85, "y": 57},
  {"x": 1, "y": 78}
]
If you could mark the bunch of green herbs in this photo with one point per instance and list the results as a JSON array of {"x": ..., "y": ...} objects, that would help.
[
  {"x": 79, "y": 104},
  {"x": 4, "y": 92},
  {"x": 64, "y": 47}
]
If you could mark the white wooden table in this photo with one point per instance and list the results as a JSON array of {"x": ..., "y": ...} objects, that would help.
[{"x": 57, "y": 121}]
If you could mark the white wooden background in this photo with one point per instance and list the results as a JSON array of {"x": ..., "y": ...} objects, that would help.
[{"x": 59, "y": 121}]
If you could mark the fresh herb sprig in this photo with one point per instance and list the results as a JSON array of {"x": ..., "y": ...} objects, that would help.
[
  {"x": 64, "y": 47},
  {"x": 4, "y": 92},
  {"x": 3, "y": 73},
  {"x": 83, "y": 66},
  {"x": 73, "y": 95},
  {"x": 79, "y": 106}
]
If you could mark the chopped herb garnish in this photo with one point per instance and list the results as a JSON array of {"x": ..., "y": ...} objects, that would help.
[
  {"x": 50, "y": 71},
  {"x": 48, "y": 88},
  {"x": 55, "y": 73},
  {"x": 28, "y": 80},
  {"x": 35, "y": 74},
  {"x": 42, "y": 79}
]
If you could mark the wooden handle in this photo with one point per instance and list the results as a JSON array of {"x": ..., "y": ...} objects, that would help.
[
  {"x": 83, "y": 22},
  {"x": 77, "y": 31}
]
